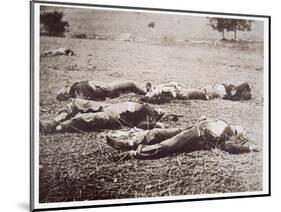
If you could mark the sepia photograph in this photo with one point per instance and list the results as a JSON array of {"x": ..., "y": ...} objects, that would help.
[{"x": 136, "y": 105}]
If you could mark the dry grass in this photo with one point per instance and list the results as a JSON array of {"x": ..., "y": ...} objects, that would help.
[
  {"x": 168, "y": 40},
  {"x": 87, "y": 169},
  {"x": 81, "y": 167}
]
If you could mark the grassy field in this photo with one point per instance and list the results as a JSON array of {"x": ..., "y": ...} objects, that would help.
[
  {"x": 80, "y": 166},
  {"x": 112, "y": 23}
]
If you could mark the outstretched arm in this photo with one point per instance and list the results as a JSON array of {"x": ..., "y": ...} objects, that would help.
[
  {"x": 183, "y": 141},
  {"x": 188, "y": 94},
  {"x": 149, "y": 137}
]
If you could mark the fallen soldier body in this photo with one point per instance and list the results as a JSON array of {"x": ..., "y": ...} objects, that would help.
[
  {"x": 167, "y": 92},
  {"x": 86, "y": 115},
  {"x": 228, "y": 91},
  {"x": 204, "y": 135},
  {"x": 94, "y": 90},
  {"x": 58, "y": 52}
]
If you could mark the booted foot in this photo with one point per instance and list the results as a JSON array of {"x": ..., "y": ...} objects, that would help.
[
  {"x": 115, "y": 143},
  {"x": 47, "y": 126}
]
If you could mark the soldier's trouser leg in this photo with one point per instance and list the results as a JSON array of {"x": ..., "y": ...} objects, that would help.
[
  {"x": 154, "y": 136},
  {"x": 158, "y": 135},
  {"x": 145, "y": 125},
  {"x": 124, "y": 87},
  {"x": 184, "y": 141},
  {"x": 89, "y": 122},
  {"x": 138, "y": 90},
  {"x": 146, "y": 138},
  {"x": 78, "y": 106},
  {"x": 192, "y": 94}
]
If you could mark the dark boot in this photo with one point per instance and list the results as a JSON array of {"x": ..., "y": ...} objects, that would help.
[
  {"x": 119, "y": 145},
  {"x": 47, "y": 126}
]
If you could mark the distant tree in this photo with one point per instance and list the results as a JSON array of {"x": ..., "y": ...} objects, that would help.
[
  {"x": 52, "y": 24},
  {"x": 222, "y": 24},
  {"x": 151, "y": 24}
]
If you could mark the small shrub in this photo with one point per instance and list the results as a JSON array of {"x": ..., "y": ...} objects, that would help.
[
  {"x": 79, "y": 35},
  {"x": 168, "y": 40},
  {"x": 151, "y": 24},
  {"x": 51, "y": 23}
]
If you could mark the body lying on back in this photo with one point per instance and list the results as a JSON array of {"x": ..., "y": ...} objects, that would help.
[
  {"x": 204, "y": 135},
  {"x": 87, "y": 115}
]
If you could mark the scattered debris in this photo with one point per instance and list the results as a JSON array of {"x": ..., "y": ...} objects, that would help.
[
  {"x": 234, "y": 66},
  {"x": 58, "y": 52},
  {"x": 79, "y": 35},
  {"x": 151, "y": 24},
  {"x": 100, "y": 37},
  {"x": 123, "y": 37}
]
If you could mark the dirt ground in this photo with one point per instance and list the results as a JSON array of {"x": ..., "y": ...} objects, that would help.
[{"x": 80, "y": 166}]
